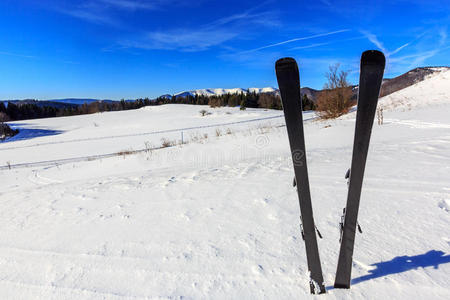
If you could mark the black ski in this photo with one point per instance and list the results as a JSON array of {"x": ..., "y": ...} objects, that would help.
[
  {"x": 289, "y": 84},
  {"x": 372, "y": 68}
]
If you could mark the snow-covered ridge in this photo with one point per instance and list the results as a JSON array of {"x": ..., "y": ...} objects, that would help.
[
  {"x": 434, "y": 89},
  {"x": 390, "y": 85},
  {"x": 220, "y": 91}
]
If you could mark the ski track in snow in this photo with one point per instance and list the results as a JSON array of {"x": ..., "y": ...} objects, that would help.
[{"x": 219, "y": 219}]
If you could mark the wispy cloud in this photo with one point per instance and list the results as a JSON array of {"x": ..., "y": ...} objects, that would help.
[
  {"x": 415, "y": 59},
  {"x": 399, "y": 48},
  {"x": 90, "y": 16},
  {"x": 314, "y": 45},
  {"x": 108, "y": 12},
  {"x": 181, "y": 39},
  {"x": 16, "y": 54},
  {"x": 202, "y": 37},
  {"x": 424, "y": 46},
  {"x": 374, "y": 40},
  {"x": 310, "y": 46},
  {"x": 295, "y": 40},
  {"x": 443, "y": 36},
  {"x": 132, "y": 4},
  {"x": 326, "y": 2}
]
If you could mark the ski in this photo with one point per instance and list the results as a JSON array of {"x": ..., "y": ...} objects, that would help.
[
  {"x": 371, "y": 75},
  {"x": 289, "y": 84}
]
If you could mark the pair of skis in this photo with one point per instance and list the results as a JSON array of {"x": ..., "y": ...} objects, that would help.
[{"x": 372, "y": 68}]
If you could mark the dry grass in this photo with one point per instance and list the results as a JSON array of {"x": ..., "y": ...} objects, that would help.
[
  {"x": 125, "y": 153},
  {"x": 167, "y": 143}
]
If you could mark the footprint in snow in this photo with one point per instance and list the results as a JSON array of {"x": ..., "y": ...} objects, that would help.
[
  {"x": 170, "y": 181},
  {"x": 258, "y": 270}
]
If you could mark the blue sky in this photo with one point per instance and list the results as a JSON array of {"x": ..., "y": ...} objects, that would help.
[{"x": 113, "y": 49}]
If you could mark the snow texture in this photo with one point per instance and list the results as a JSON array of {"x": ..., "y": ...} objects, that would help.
[{"x": 218, "y": 217}]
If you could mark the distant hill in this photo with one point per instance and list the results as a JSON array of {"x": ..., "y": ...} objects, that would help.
[
  {"x": 41, "y": 103},
  {"x": 59, "y": 103},
  {"x": 78, "y": 101}
]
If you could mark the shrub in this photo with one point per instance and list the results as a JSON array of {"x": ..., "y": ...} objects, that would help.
[
  {"x": 335, "y": 99},
  {"x": 6, "y": 131},
  {"x": 167, "y": 143}
]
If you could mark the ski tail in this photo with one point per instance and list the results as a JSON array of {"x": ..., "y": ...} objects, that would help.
[
  {"x": 371, "y": 76},
  {"x": 289, "y": 84}
]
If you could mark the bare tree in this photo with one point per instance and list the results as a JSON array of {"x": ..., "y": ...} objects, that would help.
[{"x": 335, "y": 98}]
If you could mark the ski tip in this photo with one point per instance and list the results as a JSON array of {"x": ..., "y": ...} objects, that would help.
[
  {"x": 285, "y": 62},
  {"x": 373, "y": 57}
]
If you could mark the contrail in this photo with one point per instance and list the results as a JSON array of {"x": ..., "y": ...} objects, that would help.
[{"x": 296, "y": 39}]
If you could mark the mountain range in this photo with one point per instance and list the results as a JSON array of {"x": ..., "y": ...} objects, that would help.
[{"x": 389, "y": 86}]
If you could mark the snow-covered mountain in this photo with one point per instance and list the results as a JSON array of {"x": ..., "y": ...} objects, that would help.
[
  {"x": 220, "y": 91},
  {"x": 389, "y": 86},
  {"x": 311, "y": 93},
  {"x": 432, "y": 89}
]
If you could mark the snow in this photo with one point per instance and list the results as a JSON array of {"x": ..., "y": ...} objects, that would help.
[
  {"x": 432, "y": 91},
  {"x": 218, "y": 217},
  {"x": 221, "y": 91}
]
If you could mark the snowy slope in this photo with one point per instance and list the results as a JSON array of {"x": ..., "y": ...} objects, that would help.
[
  {"x": 433, "y": 90},
  {"x": 112, "y": 132},
  {"x": 217, "y": 218}
]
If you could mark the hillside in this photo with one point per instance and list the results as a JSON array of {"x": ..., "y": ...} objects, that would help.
[
  {"x": 425, "y": 88},
  {"x": 407, "y": 79}
]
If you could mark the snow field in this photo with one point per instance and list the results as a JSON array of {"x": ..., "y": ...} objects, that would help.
[{"x": 219, "y": 219}]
